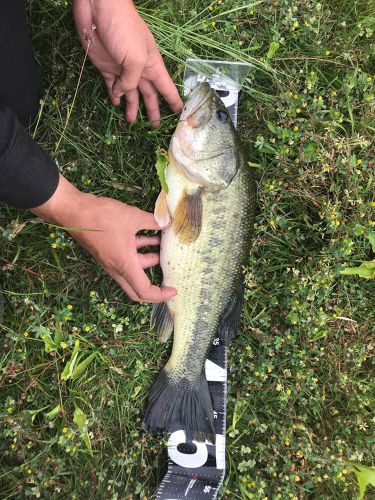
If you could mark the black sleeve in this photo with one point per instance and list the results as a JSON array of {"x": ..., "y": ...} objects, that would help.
[{"x": 28, "y": 176}]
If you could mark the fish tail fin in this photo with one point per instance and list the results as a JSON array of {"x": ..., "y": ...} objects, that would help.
[{"x": 174, "y": 403}]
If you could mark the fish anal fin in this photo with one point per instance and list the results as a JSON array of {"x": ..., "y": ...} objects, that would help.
[
  {"x": 187, "y": 220},
  {"x": 161, "y": 321},
  {"x": 161, "y": 212},
  {"x": 231, "y": 318}
]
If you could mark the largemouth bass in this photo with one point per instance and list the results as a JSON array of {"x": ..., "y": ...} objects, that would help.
[{"x": 211, "y": 202}]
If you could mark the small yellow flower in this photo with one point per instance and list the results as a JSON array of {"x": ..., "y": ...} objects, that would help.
[
  {"x": 65, "y": 430},
  {"x": 288, "y": 392},
  {"x": 29, "y": 471},
  {"x": 64, "y": 345},
  {"x": 359, "y": 162},
  {"x": 25, "y": 334},
  {"x": 296, "y": 128},
  {"x": 334, "y": 93},
  {"x": 45, "y": 483},
  {"x": 341, "y": 119},
  {"x": 320, "y": 98},
  {"x": 213, "y": 23},
  {"x": 295, "y": 96},
  {"x": 297, "y": 479},
  {"x": 74, "y": 449},
  {"x": 69, "y": 306},
  {"x": 327, "y": 52},
  {"x": 372, "y": 203},
  {"x": 257, "y": 374},
  {"x": 92, "y": 293},
  {"x": 369, "y": 78},
  {"x": 298, "y": 110},
  {"x": 9, "y": 409},
  {"x": 87, "y": 328},
  {"x": 339, "y": 475},
  {"x": 54, "y": 245},
  {"x": 52, "y": 235},
  {"x": 312, "y": 73},
  {"x": 12, "y": 446}
]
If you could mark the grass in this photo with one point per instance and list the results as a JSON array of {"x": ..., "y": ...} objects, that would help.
[{"x": 301, "y": 385}]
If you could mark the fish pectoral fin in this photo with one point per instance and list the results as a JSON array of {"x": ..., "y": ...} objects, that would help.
[
  {"x": 161, "y": 212},
  {"x": 187, "y": 220},
  {"x": 231, "y": 318},
  {"x": 161, "y": 321}
]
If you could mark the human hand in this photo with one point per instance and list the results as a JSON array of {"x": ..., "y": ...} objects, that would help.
[
  {"x": 107, "y": 229},
  {"x": 123, "y": 49}
]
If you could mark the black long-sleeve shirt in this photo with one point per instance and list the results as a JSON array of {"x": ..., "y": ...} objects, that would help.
[{"x": 28, "y": 176}]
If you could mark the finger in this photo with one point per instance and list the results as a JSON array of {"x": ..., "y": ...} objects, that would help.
[
  {"x": 151, "y": 100},
  {"x": 147, "y": 241},
  {"x": 146, "y": 220},
  {"x": 148, "y": 259},
  {"x": 132, "y": 104},
  {"x": 130, "y": 74},
  {"x": 142, "y": 286},
  {"x": 109, "y": 80},
  {"x": 164, "y": 84},
  {"x": 126, "y": 287}
]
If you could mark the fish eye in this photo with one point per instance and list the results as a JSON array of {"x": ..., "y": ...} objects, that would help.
[{"x": 222, "y": 115}]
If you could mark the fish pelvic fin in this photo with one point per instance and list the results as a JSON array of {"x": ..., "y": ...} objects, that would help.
[
  {"x": 231, "y": 318},
  {"x": 161, "y": 212},
  {"x": 176, "y": 404},
  {"x": 187, "y": 220},
  {"x": 161, "y": 321}
]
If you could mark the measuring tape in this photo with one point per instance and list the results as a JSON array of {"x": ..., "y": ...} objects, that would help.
[{"x": 196, "y": 470}]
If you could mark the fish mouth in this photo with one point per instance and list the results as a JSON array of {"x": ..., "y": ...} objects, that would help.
[{"x": 200, "y": 95}]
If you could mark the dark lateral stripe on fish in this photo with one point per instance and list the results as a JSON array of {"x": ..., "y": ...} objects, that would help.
[{"x": 172, "y": 404}]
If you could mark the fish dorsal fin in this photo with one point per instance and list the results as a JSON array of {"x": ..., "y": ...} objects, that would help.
[
  {"x": 161, "y": 321},
  {"x": 161, "y": 212},
  {"x": 187, "y": 220},
  {"x": 231, "y": 318}
]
